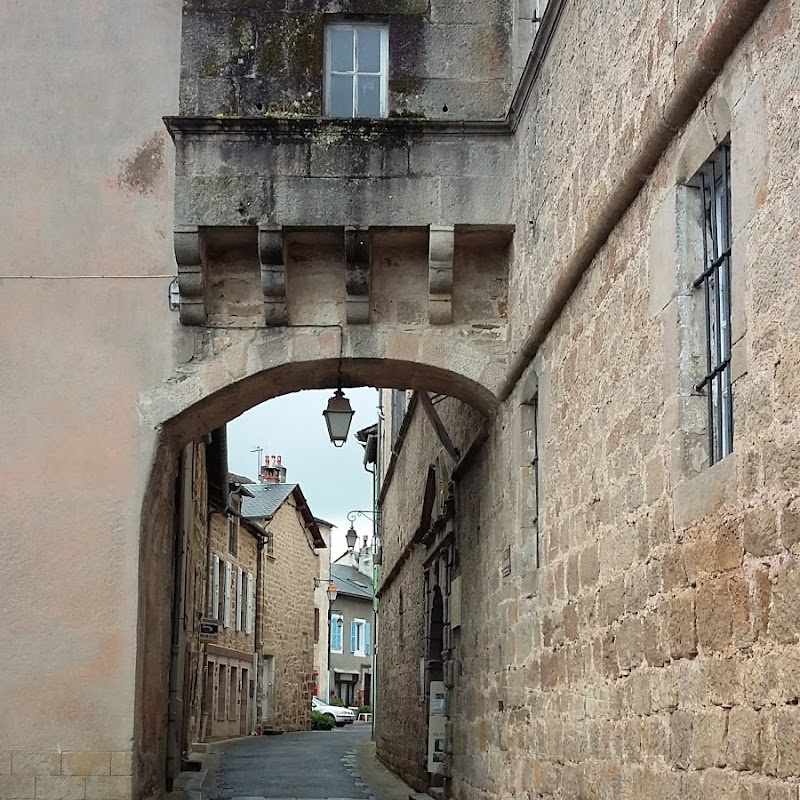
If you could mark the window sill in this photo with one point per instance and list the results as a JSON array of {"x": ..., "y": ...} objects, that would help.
[{"x": 703, "y": 493}]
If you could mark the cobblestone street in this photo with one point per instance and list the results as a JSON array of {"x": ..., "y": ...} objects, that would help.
[{"x": 308, "y": 766}]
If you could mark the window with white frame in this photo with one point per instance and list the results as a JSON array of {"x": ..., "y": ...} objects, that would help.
[
  {"x": 336, "y": 633},
  {"x": 359, "y": 637},
  {"x": 227, "y": 588},
  {"x": 249, "y": 613},
  {"x": 240, "y": 590},
  {"x": 356, "y": 70},
  {"x": 713, "y": 181},
  {"x": 539, "y": 7}
]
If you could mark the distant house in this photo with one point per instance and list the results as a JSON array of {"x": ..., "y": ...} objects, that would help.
[
  {"x": 351, "y": 635},
  {"x": 321, "y": 631},
  {"x": 286, "y": 621}
]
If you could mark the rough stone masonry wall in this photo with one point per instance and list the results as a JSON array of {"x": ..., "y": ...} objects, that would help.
[
  {"x": 288, "y": 618},
  {"x": 402, "y": 718},
  {"x": 448, "y": 58},
  {"x": 655, "y": 651}
]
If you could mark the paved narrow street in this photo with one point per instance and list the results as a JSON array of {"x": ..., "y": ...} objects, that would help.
[{"x": 308, "y": 766}]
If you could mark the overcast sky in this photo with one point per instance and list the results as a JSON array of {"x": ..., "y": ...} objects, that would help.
[{"x": 333, "y": 479}]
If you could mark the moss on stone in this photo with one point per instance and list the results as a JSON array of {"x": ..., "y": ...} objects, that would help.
[
  {"x": 405, "y": 86},
  {"x": 242, "y": 35},
  {"x": 292, "y": 48}
]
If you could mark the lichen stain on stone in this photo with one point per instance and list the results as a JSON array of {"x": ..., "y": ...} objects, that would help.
[{"x": 141, "y": 172}]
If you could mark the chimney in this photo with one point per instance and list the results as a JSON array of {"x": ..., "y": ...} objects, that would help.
[{"x": 273, "y": 470}]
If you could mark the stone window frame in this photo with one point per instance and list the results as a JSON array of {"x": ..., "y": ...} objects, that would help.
[
  {"x": 676, "y": 259},
  {"x": 383, "y": 74},
  {"x": 714, "y": 283}
]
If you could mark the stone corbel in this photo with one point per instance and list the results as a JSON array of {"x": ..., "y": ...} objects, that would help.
[
  {"x": 273, "y": 275},
  {"x": 357, "y": 257},
  {"x": 441, "y": 252},
  {"x": 191, "y": 275}
]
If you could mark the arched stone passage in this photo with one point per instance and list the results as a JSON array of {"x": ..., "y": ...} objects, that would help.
[
  {"x": 229, "y": 372},
  {"x": 233, "y": 370}
]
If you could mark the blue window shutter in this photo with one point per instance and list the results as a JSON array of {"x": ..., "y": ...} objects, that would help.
[
  {"x": 367, "y": 642},
  {"x": 353, "y": 636},
  {"x": 336, "y": 634}
]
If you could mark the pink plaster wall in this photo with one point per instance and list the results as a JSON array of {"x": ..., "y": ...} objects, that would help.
[{"x": 86, "y": 169}]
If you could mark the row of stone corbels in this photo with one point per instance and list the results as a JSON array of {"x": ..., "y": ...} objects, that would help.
[{"x": 191, "y": 274}]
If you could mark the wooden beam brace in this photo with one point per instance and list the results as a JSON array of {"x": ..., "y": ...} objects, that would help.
[{"x": 438, "y": 425}]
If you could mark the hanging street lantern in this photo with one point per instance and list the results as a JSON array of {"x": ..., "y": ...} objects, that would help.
[
  {"x": 338, "y": 416},
  {"x": 332, "y": 592},
  {"x": 351, "y": 536}
]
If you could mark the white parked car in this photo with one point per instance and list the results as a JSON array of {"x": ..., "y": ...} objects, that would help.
[{"x": 341, "y": 716}]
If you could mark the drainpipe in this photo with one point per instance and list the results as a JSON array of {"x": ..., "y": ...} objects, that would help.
[{"x": 257, "y": 636}]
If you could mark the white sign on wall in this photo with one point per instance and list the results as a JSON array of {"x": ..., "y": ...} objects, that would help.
[{"x": 436, "y": 727}]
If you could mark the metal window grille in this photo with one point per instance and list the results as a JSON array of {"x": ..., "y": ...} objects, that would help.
[
  {"x": 715, "y": 280},
  {"x": 506, "y": 568},
  {"x": 535, "y": 470}
]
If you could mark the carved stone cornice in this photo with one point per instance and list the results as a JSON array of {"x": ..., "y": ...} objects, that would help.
[
  {"x": 441, "y": 252},
  {"x": 357, "y": 263},
  {"x": 191, "y": 275},
  {"x": 273, "y": 275}
]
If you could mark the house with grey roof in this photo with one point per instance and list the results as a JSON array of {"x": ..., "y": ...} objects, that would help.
[
  {"x": 352, "y": 640},
  {"x": 287, "y": 624}
]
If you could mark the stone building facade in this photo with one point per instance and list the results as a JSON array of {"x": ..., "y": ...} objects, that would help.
[
  {"x": 235, "y": 547},
  {"x": 627, "y": 610},
  {"x": 624, "y": 623},
  {"x": 285, "y": 626},
  {"x": 353, "y": 639},
  {"x": 321, "y": 631}
]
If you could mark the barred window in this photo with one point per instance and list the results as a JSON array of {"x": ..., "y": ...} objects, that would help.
[
  {"x": 539, "y": 7},
  {"x": 714, "y": 182}
]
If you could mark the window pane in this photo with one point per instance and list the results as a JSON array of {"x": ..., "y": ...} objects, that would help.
[
  {"x": 341, "y": 45},
  {"x": 369, "y": 50},
  {"x": 369, "y": 97},
  {"x": 341, "y": 96}
]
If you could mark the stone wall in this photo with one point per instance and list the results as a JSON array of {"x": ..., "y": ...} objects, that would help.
[
  {"x": 402, "y": 724},
  {"x": 652, "y": 652},
  {"x": 288, "y": 618},
  {"x": 255, "y": 58}
]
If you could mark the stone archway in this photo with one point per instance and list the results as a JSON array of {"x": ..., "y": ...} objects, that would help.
[{"x": 229, "y": 372}]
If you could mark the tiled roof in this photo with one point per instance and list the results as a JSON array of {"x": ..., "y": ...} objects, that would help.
[
  {"x": 267, "y": 499},
  {"x": 349, "y": 581}
]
